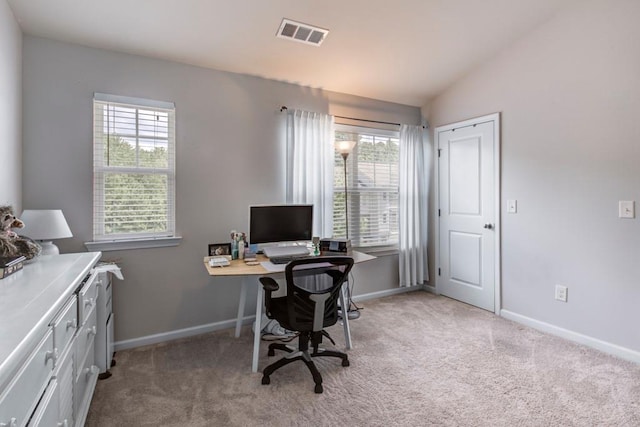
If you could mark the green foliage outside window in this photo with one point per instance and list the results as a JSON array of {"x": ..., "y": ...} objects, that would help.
[{"x": 135, "y": 202}]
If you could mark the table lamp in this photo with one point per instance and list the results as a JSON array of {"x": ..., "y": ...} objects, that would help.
[{"x": 45, "y": 225}]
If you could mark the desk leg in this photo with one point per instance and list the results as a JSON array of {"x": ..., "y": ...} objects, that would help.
[
  {"x": 241, "y": 304},
  {"x": 258, "y": 328},
  {"x": 345, "y": 315}
]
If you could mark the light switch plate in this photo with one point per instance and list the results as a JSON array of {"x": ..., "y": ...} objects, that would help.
[
  {"x": 626, "y": 209},
  {"x": 512, "y": 206}
]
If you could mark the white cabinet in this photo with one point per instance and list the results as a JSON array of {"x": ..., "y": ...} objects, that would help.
[{"x": 47, "y": 330}]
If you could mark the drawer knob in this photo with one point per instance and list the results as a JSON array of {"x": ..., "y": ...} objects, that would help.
[
  {"x": 89, "y": 372},
  {"x": 12, "y": 423},
  {"x": 64, "y": 423},
  {"x": 53, "y": 355},
  {"x": 89, "y": 302},
  {"x": 92, "y": 331},
  {"x": 72, "y": 324}
]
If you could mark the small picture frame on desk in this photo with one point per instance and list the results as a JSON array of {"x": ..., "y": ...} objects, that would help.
[{"x": 218, "y": 249}]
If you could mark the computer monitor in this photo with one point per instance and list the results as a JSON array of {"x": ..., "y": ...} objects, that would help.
[{"x": 274, "y": 224}]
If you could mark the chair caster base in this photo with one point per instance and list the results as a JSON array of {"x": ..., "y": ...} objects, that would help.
[
  {"x": 271, "y": 352},
  {"x": 318, "y": 388},
  {"x": 345, "y": 362},
  {"x": 266, "y": 380}
]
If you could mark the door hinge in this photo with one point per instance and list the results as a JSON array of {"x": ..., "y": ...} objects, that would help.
[
  {"x": 438, "y": 212},
  {"x": 438, "y": 271},
  {"x": 439, "y": 150}
]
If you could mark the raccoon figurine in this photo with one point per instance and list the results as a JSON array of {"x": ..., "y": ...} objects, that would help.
[{"x": 12, "y": 244}]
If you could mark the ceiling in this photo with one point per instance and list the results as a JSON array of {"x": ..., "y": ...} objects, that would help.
[{"x": 404, "y": 51}]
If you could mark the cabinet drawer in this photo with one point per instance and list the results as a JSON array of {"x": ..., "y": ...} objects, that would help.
[
  {"x": 65, "y": 325},
  {"x": 104, "y": 282},
  {"x": 21, "y": 396},
  {"x": 85, "y": 382},
  {"x": 85, "y": 339},
  {"x": 87, "y": 298},
  {"x": 64, "y": 376},
  {"x": 47, "y": 413}
]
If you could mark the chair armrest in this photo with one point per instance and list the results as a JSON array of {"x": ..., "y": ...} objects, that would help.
[{"x": 269, "y": 284}]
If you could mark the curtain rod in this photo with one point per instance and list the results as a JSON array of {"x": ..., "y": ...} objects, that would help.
[{"x": 284, "y": 108}]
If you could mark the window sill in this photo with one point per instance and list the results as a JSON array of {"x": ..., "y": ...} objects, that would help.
[
  {"x": 379, "y": 251},
  {"x": 121, "y": 245}
]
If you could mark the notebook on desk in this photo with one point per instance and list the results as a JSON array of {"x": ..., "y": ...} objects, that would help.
[{"x": 285, "y": 251}]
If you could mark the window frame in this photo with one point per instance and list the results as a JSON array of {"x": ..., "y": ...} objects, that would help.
[
  {"x": 105, "y": 242},
  {"x": 379, "y": 249}
]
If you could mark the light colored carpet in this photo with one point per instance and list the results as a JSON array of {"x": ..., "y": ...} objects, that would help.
[{"x": 418, "y": 360}]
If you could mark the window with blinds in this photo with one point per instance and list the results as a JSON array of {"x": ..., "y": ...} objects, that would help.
[
  {"x": 134, "y": 168},
  {"x": 372, "y": 187}
]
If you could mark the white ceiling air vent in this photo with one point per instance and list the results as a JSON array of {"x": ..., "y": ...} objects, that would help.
[{"x": 300, "y": 32}]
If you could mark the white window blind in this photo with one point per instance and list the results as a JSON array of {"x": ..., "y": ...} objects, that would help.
[
  {"x": 372, "y": 186},
  {"x": 134, "y": 168}
]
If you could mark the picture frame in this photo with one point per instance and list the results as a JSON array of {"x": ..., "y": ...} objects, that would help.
[{"x": 218, "y": 249}]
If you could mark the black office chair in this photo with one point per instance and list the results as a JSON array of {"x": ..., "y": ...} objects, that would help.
[{"x": 311, "y": 304}]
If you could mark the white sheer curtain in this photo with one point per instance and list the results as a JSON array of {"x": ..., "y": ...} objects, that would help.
[
  {"x": 413, "y": 205},
  {"x": 310, "y": 157}
]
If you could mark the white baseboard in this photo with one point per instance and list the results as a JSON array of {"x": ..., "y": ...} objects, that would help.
[
  {"x": 179, "y": 333},
  {"x": 430, "y": 288},
  {"x": 616, "y": 350},
  {"x": 385, "y": 293},
  {"x": 226, "y": 324}
]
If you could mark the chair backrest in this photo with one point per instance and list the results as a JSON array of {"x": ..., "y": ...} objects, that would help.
[{"x": 313, "y": 290}]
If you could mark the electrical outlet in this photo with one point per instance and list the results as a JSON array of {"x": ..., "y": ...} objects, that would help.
[
  {"x": 626, "y": 209},
  {"x": 561, "y": 293}
]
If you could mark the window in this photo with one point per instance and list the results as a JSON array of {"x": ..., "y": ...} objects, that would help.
[
  {"x": 372, "y": 186},
  {"x": 134, "y": 168}
]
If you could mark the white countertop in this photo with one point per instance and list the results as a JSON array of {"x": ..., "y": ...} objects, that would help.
[{"x": 30, "y": 298}]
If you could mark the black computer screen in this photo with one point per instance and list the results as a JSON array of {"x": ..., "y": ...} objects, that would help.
[{"x": 280, "y": 223}]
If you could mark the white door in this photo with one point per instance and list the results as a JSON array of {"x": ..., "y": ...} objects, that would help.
[{"x": 468, "y": 183}]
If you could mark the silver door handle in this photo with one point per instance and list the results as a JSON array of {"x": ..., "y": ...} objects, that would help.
[{"x": 488, "y": 226}]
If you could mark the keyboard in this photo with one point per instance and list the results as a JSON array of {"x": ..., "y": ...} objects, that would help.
[
  {"x": 285, "y": 259},
  {"x": 285, "y": 251}
]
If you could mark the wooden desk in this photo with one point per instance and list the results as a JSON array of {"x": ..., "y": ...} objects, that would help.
[{"x": 250, "y": 274}]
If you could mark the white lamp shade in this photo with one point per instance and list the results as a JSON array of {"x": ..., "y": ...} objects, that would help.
[
  {"x": 45, "y": 224},
  {"x": 345, "y": 147}
]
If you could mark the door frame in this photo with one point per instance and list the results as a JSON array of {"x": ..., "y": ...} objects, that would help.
[{"x": 495, "y": 118}]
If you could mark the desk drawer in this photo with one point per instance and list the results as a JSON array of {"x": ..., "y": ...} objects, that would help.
[
  {"x": 65, "y": 325},
  {"x": 21, "y": 396}
]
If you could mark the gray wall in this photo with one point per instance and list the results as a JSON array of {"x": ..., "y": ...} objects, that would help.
[
  {"x": 230, "y": 154},
  {"x": 10, "y": 109},
  {"x": 570, "y": 100}
]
